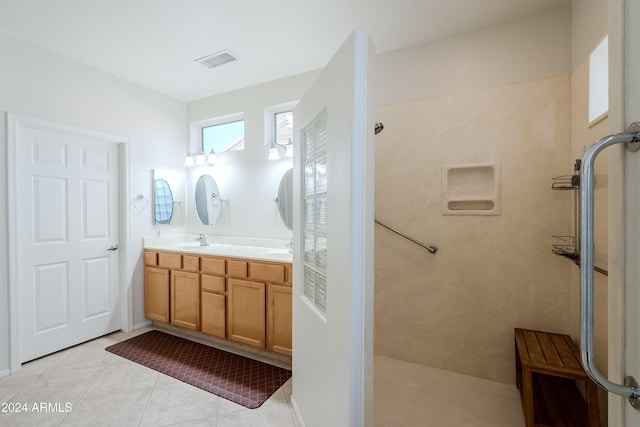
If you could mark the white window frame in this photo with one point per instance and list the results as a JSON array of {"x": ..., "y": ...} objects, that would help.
[
  {"x": 196, "y": 128},
  {"x": 269, "y": 120}
]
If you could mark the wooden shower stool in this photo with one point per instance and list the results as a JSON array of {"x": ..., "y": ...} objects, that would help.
[{"x": 546, "y": 366}]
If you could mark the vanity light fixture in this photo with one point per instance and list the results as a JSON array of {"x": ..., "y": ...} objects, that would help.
[
  {"x": 200, "y": 159},
  {"x": 188, "y": 160},
  {"x": 211, "y": 158},
  {"x": 273, "y": 153}
]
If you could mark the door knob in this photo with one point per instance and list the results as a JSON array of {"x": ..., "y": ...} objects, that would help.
[{"x": 114, "y": 247}]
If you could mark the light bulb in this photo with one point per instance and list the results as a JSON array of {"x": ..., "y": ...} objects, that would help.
[
  {"x": 211, "y": 158},
  {"x": 273, "y": 154},
  {"x": 200, "y": 159}
]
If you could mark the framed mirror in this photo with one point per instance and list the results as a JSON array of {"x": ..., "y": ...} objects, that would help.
[
  {"x": 208, "y": 202},
  {"x": 168, "y": 193},
  {"x": 285, "y": 199},
  {"x": 162, "y": 201}
]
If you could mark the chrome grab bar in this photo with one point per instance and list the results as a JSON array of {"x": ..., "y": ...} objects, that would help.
[
  {"x": 632, "y": 139},
  {"x": 431, "y": 248}
]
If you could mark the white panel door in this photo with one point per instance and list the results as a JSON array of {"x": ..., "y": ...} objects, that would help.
[
  {"x": 333, "y": 243},
  {"x": 68, "y": 221}
]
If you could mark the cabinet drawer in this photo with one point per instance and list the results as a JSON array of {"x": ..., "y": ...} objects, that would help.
[
  {"x": 267, "y": 272},
  {"x": 151, "y": 258},
  {"x": 237, "y": 268},
  {"x": 169, "y": 260},
  {"x": 212, "y": 283},
  {"x": 191, "y": 263},
  {"x": 212, "y": 265}
]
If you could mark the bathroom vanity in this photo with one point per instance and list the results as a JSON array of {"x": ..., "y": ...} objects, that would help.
[{"x": 240, "y": 293}]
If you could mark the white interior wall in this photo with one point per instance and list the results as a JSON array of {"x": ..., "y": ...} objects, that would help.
[
  {"x": 246, "y": 178},
  {"x": 530, "y": 48},
  {"x": 40, "y": 84}
]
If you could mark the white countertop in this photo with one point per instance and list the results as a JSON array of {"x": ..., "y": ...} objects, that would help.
[{"x": 237, "y": 247}]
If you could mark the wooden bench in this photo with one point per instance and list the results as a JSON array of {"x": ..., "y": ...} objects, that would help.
[{"x": 547, "y": 366}]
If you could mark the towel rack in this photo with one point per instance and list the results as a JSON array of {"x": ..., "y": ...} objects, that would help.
[
  {"x": 632, "y": 139},
  {"x": 431, "y": 248}
]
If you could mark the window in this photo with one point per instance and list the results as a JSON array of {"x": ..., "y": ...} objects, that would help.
[
  {"x": 278, "y": 128},
  {"x": 223, "y": 137},
  {"x": 599, "y": 82},
  {"x": 283, "y": 128}
]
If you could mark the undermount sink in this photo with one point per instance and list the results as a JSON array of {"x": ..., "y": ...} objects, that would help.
[
  {"x": 284, "y": 255},
  {"x": 224, "y": 249},
  {"x": 188, "y": 245}
]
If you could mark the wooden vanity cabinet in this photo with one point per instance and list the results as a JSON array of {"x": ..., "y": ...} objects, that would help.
[
  {"x": 185, "y": 299},
  {"x": 214, "y": 307},
  {"x": 213, "y": 297},
  {"x": 277, "y": 278},
  {"x": 246, "y": 312},
  {"x": 279, "y": 314},
  {"x": 156, "y": 288},
  {"x": 172, "y": 288},
  {"x": 156, "y": 294},
  {"x": 242, "y": 300},
  {"x": 259, "y": 307}
]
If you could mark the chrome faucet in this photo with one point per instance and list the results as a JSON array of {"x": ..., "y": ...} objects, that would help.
[{"x": 202, "y": 240}]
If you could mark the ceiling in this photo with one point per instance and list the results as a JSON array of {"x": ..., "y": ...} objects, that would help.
[{"x": 154, "y": 43}]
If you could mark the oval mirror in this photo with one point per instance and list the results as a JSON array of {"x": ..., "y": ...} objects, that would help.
[
  {"x": 163, "y": 202},
  {"x": 207, "y": 200},
  {"x": 285, "y": 199}
]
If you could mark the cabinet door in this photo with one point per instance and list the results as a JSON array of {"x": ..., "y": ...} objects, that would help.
[
  {"x": 156, "y": 294},
  {"x": 279, "y": 319},
  {"x": 246, "y": 312},
  {"x": 214, "y": 314},
  {"x": 185, "y": 299}
]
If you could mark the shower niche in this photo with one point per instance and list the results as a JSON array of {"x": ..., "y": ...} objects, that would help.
[{"x": 471, "y": 189}]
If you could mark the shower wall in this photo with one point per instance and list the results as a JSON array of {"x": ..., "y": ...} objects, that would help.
[
  {"x": 500, "y": 94},
  {"x": 456, "y": 309}
]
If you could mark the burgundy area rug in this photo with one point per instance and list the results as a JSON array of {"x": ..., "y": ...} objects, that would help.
[{"x": 237, "y": 378}]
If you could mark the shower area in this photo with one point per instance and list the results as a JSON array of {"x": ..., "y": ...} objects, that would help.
[
  {"x": 465, "y": 164},
  {"x": 469, "y": 173}
]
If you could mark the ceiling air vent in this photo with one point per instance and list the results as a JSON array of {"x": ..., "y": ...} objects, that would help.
[{"x": 216, "y": 59}]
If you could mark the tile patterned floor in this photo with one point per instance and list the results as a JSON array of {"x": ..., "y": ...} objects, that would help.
[
  {"x": 88, "y": 386},
  {"x": 240, "y": 379}
]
